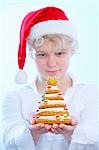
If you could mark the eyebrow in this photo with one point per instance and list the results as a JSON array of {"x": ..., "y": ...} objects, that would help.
[
  {"x": 55, "y": 51},
  {"x": 40, "y": 51}
]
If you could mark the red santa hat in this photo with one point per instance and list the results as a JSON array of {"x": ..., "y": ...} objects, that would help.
[{"x": 48, "y": 20}]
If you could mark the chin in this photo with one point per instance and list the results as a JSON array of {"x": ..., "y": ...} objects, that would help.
[{"x": 59, "y": 77}]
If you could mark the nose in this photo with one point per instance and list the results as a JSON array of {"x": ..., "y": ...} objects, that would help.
[{"x": 52, "y": 61}]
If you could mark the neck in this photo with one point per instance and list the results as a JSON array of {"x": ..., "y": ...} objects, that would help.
[{"x": 63, "y": 85}]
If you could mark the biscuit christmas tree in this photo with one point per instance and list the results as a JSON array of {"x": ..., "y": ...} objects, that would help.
[{"x": 52, "y": 108}]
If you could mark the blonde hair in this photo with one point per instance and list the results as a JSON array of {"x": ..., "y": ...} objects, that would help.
[{"x": 60, "y": 41}]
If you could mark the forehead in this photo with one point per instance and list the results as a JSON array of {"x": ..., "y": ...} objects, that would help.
[{"x": 48, "y": 45}]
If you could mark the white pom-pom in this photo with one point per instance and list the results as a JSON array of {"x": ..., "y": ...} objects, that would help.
[{"x": 21, "y": 77}]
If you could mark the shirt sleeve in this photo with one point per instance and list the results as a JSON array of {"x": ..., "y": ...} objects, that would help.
[
  {"x": 15, "y": 132},
  {"x": 85, "y": 136}
]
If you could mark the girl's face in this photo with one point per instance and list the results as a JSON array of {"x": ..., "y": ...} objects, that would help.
[{"x": 51, "y": 62}]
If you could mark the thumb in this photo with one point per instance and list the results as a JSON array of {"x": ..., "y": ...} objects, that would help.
[{"x": 74, "y": 121}]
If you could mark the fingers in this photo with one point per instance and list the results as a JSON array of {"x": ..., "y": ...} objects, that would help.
[
  {"x": 33, "y": 122},
  {"x": 60, "y": 130},
  {"x": 40, "y": 128},
  {"x": 45, "y": 128},
  {"x": 54, "y": 129},
  {"x": 30, "y": 119},
  {"x": 67, "y": 128},
  {"x": 48, "y": 126},
  {"x": 55, "y": 126},
  {"x": 74, "y": 121},
  {"x": 36, "y": 126},
  {"x": 41, "y": 125}
]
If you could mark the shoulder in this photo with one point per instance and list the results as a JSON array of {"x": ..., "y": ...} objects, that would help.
[
  {"x": 82, "y": 84},
  {"x": 18, "y": 93},
  {"x": 88, "y": 89},
  {"x": 88, "y": 86},
  {"x": 89, "y": 94}
]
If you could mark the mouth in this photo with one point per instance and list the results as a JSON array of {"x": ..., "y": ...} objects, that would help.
[{"x": 52, "y": 72}]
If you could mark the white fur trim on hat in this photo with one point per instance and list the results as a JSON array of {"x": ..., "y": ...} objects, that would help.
[
  {"x": 21, "y": 77},
  {"x": 53, "y": 27}
]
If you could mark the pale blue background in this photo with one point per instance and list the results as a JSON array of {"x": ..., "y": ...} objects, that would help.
[{"x": 85, "y": 17}]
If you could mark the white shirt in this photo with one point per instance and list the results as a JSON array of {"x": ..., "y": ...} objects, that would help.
[{"x": 82, "y": 101}]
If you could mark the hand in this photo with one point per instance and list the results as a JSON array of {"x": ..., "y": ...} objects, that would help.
[
  {"x": 38, "y": 129},
  {"x": 65, "y": 130}
]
